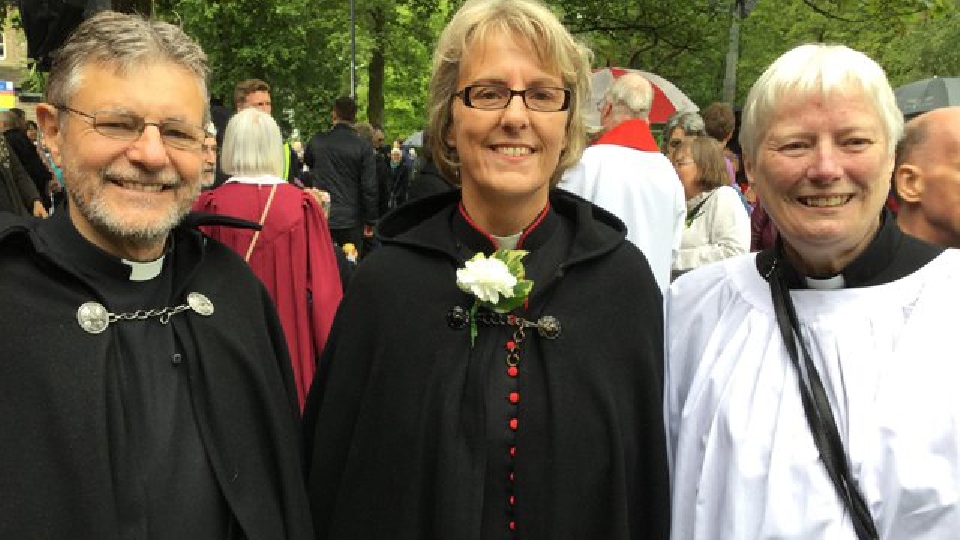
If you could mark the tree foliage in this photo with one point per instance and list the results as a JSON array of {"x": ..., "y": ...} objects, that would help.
[{"x": 302, "y": 47}]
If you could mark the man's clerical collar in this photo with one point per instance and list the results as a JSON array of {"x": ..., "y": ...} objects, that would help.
[
  {"x": 144, "y": 271},
  {"x": 59, "y": 232}
]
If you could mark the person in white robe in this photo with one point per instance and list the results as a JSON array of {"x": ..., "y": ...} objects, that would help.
[
  {"x": 624, "y": 173},
  {"x": 811, "y": 389}
]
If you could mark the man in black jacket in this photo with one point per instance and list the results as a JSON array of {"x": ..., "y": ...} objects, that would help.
[
  {"x": 342, "y": 163},
  {"x": 147, "y": 391}
]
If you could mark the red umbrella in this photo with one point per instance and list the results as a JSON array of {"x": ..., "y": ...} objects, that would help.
[{"x": 667, "y": 98}]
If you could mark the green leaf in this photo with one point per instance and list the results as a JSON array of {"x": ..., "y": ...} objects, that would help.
[
  {"x": 522, "y": 288},
  {"x": 506, "y": 305},
  {"x": 513, "y": 258},
  {"x": 473, "y": 323}
]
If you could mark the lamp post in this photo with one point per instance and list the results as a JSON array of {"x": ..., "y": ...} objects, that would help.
[{"x": 353, "y": 51}]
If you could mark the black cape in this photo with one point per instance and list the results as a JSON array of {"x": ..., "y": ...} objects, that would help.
[
  {"x": 410, "y": 429},
  {"x": 56, "y": 479}
]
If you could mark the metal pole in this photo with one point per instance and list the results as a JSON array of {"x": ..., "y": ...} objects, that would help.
[
  {"x": 353, "y": 51},
  {"x": 729, "y": 94}
]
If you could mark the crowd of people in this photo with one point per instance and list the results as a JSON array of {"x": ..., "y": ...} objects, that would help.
[{"x": 539, "y": 332}]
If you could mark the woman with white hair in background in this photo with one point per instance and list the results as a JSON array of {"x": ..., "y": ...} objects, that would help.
[
  {"x": 293, "y": 253},
  {"x": 812, "y": 388}
]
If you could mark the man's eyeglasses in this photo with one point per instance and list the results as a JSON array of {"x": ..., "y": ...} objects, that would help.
[
  {"x": 129, "y": 127},
  {"x": 493, "y": 97}
]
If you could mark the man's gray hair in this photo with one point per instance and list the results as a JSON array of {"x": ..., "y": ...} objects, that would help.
[
  {"x": 631, "y": 95},
  {"x": 124, "y": 42}
]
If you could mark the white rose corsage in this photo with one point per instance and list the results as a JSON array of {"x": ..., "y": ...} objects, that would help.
[{"x": 496, "y": 282}]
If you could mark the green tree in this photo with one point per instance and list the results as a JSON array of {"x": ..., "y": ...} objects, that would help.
[
  {"x": 401, "y": 41},
  {"x": 909, "y": 39},
  {"x": 287, "y": 43}
]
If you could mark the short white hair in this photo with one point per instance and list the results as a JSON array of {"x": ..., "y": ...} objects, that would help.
[
  {"x": 252, "y": 145},
  {"x": 818, "y": 70},
  {"x": 631, "y": 95}
]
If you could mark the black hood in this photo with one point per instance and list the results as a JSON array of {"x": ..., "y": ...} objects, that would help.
[{"x": 414, "y": 225}]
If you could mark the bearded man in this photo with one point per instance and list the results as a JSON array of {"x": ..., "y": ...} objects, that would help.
[{"x": 146, "y": 387}]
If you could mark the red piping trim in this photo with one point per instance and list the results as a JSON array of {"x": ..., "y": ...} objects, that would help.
[
  {"x": 466, "y": 216},
  {"x": 533, "y": 225}
]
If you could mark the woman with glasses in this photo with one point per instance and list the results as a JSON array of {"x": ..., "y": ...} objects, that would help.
[
  {"x": 680, "y": 124},
  {"x": 461, "y": 396},
  {"x": 717, "y": 225}
]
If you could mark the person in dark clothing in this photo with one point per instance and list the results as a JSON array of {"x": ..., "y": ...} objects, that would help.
[
  {"x": 425, "y": 179},
  {"x": 384, "y": 175},
  {"x": 342, "y": 163},
  {"x": 14, "y": 132},
  {"x": 520, "y": 399},
  {"x": 18, "y": 195},
  {"x": 399, "y": 179},
  {"x": 146, "y": 384}
]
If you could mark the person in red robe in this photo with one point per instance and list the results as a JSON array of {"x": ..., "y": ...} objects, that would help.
[{"x": 293, "y": 254}]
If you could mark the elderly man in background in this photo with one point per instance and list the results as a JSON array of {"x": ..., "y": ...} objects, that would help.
[
  {"x": 927, "y": 177},
  {"x": 209, "y": 149},
  {"x": 146, "y": 384},
  {"x": 625, "y": 174}
]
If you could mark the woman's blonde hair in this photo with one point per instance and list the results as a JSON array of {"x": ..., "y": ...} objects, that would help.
[{"x": 530, "y": 21}]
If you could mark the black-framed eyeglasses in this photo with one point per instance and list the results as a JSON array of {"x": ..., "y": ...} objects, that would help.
[
  {"x": 493, "y": 96},
  {"x": 129, "y": 127}
]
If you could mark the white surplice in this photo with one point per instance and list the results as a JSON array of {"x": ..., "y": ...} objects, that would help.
[{"x": 743, "y": 462}]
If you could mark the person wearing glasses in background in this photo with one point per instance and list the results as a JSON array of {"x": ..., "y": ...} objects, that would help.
[
  {"x": 209, "y": 149},
  {"x": 543, "y": 421},
  {"x": 680, "y": 124},
  {"x": 147, "y": 390}
]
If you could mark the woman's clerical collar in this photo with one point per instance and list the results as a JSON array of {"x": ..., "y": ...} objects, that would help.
[
  {"x": 891, "y": 255},
  {"x": 530, "y": 238},
  {"x": 507, "y": 242},
  {"x": 825, "y": 284}
]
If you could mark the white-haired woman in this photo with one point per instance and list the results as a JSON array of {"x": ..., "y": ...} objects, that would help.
[
  {"x": 292, "y": 253},
  {"x": 811, "y": 388},
  {"x": 444, "y": 414}
]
